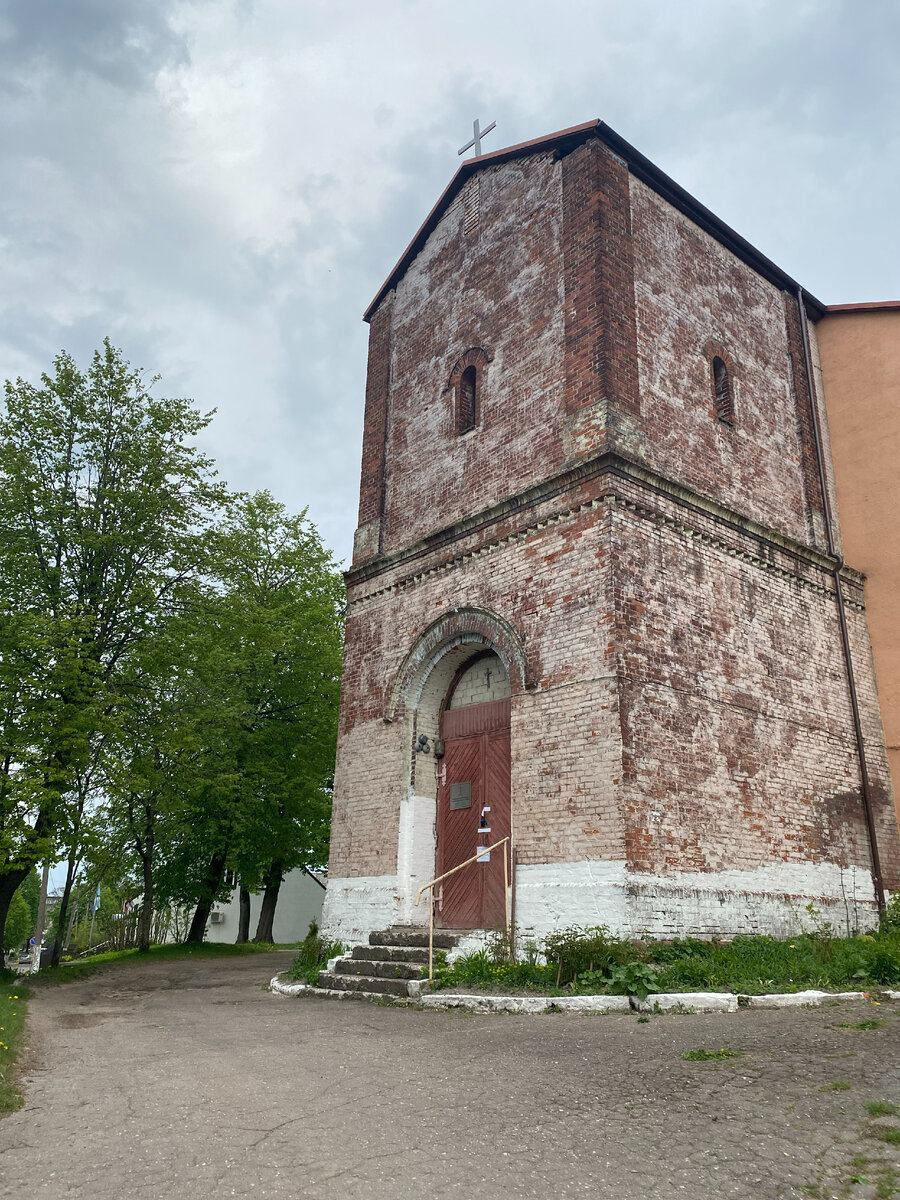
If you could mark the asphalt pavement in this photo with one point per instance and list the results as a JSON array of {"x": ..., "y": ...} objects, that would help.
[{"x": 189, "y": 1080}]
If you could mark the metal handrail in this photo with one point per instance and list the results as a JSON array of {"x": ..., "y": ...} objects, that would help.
[{"x": 504, "y": 842}]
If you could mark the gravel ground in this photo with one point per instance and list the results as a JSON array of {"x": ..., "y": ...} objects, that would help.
[{"x": 189, "y": 1080}]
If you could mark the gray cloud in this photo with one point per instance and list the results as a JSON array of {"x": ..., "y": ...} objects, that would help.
[
  {"x": 222, "y": 187},
  {"x": 119, "y": 41}
]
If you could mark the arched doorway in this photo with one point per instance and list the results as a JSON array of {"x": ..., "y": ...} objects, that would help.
[{"x": 473, "y": 795}]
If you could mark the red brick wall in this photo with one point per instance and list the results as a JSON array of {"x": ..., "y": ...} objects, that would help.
[
  {"x": 498, "y": 288},
  {"x": 684, "y": 705},
  {"x": 689, "y": 291}
]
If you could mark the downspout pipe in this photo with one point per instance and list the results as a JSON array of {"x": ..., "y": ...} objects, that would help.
[{"x": 842, "y": 613}]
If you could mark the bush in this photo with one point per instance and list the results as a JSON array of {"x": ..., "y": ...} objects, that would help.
[
  {"x": 593, "y": 960},
  {"x": 575, "y": 952},
  {"x": 313, "y": 955}
]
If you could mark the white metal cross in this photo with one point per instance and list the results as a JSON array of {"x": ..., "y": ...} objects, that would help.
[{"x": 478, "y": 135}]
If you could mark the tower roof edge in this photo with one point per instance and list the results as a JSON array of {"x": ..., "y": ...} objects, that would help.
[{"x": 639, "y": 165}]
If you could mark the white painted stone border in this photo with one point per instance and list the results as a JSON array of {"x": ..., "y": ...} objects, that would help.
[
  {"x": 800, "y": 999},
  {"x": 525, "y": 1004},
  {"x": 688, "y": 1002},
  {"x": 288, "y": 989}
]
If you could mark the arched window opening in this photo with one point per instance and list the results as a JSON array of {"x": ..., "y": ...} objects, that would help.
[
  {"x": 722, "y": 387},
  {"x": 468, "y": 389}
]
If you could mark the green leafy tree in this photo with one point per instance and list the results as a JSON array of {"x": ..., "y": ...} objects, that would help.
[
  {"x": 19, "y": 923},
  {"x": 104, "y": 504},
  {"x": 224, "y": 742},
  {"x": 268, "y": 665}
]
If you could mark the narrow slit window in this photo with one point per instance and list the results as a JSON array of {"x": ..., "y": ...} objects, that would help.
[
  {"x": 468, "y": 399},
  {"x": 722, "y": 387}
]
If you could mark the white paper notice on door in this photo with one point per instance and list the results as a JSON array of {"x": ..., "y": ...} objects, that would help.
[{"x": 484, "y": 855}]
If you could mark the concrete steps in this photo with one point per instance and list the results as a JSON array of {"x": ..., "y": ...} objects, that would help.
[{"x": 394, "y": 963}]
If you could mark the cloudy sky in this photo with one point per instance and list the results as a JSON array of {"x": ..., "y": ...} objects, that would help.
[{"x": 222, "y": 185}]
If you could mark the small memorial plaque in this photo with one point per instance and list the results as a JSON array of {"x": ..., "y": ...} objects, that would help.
[{"x": 460, "y": 795}]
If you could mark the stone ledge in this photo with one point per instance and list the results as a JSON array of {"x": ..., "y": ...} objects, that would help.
[
  {"x": 308, "y": 990},
  {"x": 687, "y": 1001},
  {"x": 526, "y": 1004},
  {"x": 803, "y": 999},
  {"x": 667, "y": 1002}
]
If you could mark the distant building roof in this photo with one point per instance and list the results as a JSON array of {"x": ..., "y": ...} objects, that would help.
[{"x": 867, "y": 306}]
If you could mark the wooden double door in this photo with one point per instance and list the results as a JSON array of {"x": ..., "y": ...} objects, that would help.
[{"x": 473, "y": 811}]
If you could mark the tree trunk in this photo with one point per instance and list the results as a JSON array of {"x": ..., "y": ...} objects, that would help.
[
  {"x": 243, "y": 933},
  {"x": 41, "y": 920},
  {"x": 73, "y": 921},
  {"x": 269, "y": 900},
  {"x": 215, "y": 873},
  {"x": 9, "y": 881},
  {"x": 145, "y": 926},
  {"x": 61, "y": 933}
]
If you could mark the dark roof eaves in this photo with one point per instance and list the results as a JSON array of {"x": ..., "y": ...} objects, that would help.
[{"x": 642, "y": 168}]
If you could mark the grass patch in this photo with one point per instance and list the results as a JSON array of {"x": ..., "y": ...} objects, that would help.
[
  {"x": 886, "y": 1133},
  {"x": 837, "y": 1085},
  {"x": 701, "y": 1055},
  {"x": 888, "y": 1184},
  {"x": 882, "y": 1108},
  {"x": 593, "y": 960},
  {"x": 13, "y": 1008},
  {"x": 313, "y": 955},
  {"x": 861, "y": 1025},
  {"x": 81, "y": 968}
]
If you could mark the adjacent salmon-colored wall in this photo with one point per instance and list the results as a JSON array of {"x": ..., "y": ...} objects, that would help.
[{"x": 860, "y": 354}]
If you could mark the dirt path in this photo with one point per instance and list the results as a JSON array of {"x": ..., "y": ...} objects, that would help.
[{"x": 188, "y": 1080}]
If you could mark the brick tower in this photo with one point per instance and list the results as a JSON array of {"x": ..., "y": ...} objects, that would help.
[{"x": 592, "y": 607}]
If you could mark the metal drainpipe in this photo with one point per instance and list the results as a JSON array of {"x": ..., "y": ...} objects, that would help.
[{"x": 842, "y": 614}]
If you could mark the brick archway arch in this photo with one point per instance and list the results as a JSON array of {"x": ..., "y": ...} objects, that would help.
[
  {"x": 476, "y": 356},
  {"x": 463, "y": 626}
]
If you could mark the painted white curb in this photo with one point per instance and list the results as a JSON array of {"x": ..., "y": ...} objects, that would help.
[
  {"x": 526, "y": 1004},
  {"x": 688, "y": 1002},
  {"x": 801, "y": 999},
  {"x": 288, "y": 989}
]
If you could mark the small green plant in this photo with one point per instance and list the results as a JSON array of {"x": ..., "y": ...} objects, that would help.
[
  {"x": 882, "y": 1108},
  {"x": 633, "y": 979},
  {"x": 837, "y": 1085},
  {"x": 576, "y": 951},
  {"x": 701, "y": 1055},
  {"x": 887, "y": 1133},
  {"x": 888, "y": 1184},
  {"x": 313, "y": 955},
  {"x": 861, "y": 1025},
  {"x": 643, "y": 1021}
]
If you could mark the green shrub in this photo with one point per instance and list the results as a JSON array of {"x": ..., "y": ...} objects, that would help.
[
  {"x": 594, "y": 960},
  {"x": 633, "y": 979},
  {"x": 576, "y": 951},
  {"x": 313, "y": 955},
  {"x": 481, "y": 969}
]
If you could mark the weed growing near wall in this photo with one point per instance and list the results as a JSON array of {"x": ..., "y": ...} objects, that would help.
[
  {"x": 313, "y": 955},
  {"x": 593, "y": 960}
]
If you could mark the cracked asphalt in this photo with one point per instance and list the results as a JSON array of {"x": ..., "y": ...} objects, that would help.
[{"x": 190, "y": 1080}]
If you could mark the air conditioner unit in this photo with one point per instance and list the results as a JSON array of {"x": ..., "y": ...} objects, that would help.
[{"x": 217, "y": 918}]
